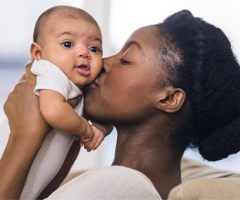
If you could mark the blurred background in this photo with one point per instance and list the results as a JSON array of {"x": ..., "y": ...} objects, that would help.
[{"x": 117, "y": 19}]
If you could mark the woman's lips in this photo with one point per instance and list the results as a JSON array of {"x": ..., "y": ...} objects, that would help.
[
  {"x": 83, "y": 70},
  {"x": 94, "y": 84}
]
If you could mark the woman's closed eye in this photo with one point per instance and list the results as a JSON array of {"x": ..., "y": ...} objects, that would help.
[
  {"x": 67, "y": 44},
  {"x": 124, "y": 62}
]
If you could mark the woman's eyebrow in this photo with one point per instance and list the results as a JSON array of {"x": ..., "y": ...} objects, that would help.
[{"x": 130, "y": 43}]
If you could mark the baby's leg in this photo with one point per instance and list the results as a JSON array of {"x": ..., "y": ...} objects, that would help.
[{"x": 47, "y": 163}]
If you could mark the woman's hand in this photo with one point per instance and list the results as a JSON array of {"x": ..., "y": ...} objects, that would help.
[
  {"x": 22, "y": 108},
  {"x": 28, "y": 131}
]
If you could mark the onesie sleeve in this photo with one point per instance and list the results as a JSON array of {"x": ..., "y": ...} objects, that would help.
[{"x": 50, "y": 77}]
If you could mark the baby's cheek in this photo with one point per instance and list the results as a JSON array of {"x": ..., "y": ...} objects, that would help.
[{"x": 95, "y": 73}]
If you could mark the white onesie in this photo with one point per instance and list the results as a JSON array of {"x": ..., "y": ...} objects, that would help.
[{"x": 57, "y": 143}]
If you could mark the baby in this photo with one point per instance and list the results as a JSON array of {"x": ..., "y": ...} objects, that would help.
[
  {"x": 67, "y": 54},
  {"x": 67, "y": 50}
]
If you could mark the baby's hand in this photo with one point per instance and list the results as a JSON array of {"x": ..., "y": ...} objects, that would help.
[
  {"x": 87, "y": 136},
  {"x": 96, "y": 140}
]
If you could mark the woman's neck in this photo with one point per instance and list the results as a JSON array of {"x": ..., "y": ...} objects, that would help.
[{"x": 150, "y": 153}]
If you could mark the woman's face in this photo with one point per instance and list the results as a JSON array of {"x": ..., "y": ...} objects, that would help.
[{"x": 126, "y": 89}]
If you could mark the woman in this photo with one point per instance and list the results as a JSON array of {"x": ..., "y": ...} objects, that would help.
[{"x": 173, "y": 85}]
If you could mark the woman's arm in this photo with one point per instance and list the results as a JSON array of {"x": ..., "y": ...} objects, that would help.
[
  {"x": 28, "y": 130},
  {"x": 15, "y": 164}
]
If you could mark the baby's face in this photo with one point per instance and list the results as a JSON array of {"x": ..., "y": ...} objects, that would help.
[{"x": 75, "y": 46}]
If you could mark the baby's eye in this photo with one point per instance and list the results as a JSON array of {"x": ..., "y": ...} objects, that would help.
[
  {"x": 67, "y": 44},
  {"x": 94, "y": 49}
]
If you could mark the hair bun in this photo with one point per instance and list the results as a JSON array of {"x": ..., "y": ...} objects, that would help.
[
  {"x": 222, "y": 142},
  {"x": 181, "y": 16}
]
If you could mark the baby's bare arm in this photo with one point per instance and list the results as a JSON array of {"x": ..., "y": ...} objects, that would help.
[{"x": 60, "y": 115}]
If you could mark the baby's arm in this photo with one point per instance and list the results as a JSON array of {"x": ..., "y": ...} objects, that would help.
[
  {"x": 60, "y": 115},
  {"x": 100, "y": 130}
]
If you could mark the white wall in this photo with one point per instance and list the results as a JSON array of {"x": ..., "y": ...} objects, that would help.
[
  {"x": 128, "y": 15},
  {"x": 17, "y": 19}
]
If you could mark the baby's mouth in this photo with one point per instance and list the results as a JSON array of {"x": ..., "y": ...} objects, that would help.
[{"x": 83, "y": 69}]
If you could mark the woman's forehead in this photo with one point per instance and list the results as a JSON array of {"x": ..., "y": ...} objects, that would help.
[
  {"x": 145, "y": 36},
  {"x": 145, "y": 32}
]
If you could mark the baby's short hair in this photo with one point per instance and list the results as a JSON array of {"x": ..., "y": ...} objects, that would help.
[{"x": 65, "y": 11}]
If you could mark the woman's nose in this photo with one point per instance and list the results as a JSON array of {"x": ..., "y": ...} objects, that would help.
[{"x": 107, "y": 64}]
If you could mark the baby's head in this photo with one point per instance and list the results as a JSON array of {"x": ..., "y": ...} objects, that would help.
[
  {"x": 71, "y": 39},
  {"x": 59, "y": 11}
]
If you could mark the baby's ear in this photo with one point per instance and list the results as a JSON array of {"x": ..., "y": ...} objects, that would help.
[
  {"x": 171, "y": 100},
  {"x": 35, "y": 51}
]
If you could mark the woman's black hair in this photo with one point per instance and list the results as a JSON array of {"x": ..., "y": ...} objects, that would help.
[{"x": 210, "y": 76}]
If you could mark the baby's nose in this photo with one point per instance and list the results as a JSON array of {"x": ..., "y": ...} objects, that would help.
[{"x": 83, "y": 52}]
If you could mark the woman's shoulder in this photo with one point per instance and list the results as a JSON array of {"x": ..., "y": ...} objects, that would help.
[{"x": 114, "y": 182}]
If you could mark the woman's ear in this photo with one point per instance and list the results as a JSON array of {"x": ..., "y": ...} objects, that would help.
[
  {"x": 35, "y": 51},
  {"x": 171, "y": 100}
]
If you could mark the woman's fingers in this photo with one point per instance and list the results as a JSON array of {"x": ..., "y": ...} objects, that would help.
[
  {"x": 28, "y": 74},
  {"x": 73, "y": 102},
  {"x": 22, "y": 108},
  {"x": 22, "y": 78}
]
